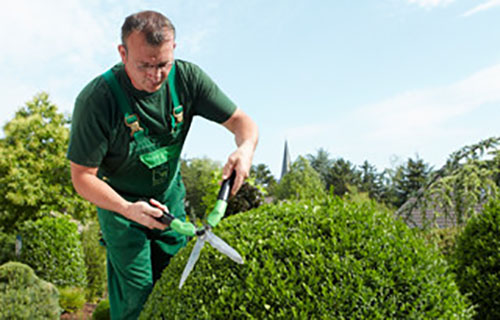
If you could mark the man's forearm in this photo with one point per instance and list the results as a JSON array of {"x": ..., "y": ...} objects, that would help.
[
  {"x": 246, "y": 135},
  {"x": 90, "y": 187},
  {"x": 93, "y": 189}
]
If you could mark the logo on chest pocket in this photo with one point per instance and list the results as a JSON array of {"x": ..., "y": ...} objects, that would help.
[{"x": 160, "y": 175}]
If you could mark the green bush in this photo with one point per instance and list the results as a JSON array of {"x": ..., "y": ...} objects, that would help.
[
  {"x": 52, "y": 247},
  {"x": 71, "y": 299},
  {"x": 7, "y": 247},
  {"x": 444, "y": 239},
  {"x": 248, "y": 197},
  {"x": 95, "y": 260},
  {"x": 312, "y": 260},
  {"x": 477, "y": 261},
  {"x": 24, "y": 296},
  {"x": 101, "y": 312}
]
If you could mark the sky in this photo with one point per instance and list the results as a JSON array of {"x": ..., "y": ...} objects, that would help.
[{"x": 375, "y": 80}]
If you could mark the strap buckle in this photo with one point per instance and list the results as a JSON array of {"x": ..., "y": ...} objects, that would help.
[
  {"x": 178, "y": 114},
  {"x": 132, "y": 121}
]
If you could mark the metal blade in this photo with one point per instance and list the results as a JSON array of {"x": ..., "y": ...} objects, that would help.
[
  {"x": 193, "y": 257},
  {"x": 223, "y": 247}
]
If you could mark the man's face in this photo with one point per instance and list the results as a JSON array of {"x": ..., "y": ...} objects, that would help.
[{"x": 147, "y": 66}]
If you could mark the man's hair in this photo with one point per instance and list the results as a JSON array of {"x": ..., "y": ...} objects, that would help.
[{"x": 152, "y": 24}]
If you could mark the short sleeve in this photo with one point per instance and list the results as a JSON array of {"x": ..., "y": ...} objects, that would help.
[
  {"x": 90, "y": 127},
  {"x": 210, "y": 102}
]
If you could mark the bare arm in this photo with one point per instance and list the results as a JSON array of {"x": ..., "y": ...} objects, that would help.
[
  {"x": 246, "y": 135},
  {"x": 90, "y": 187}
]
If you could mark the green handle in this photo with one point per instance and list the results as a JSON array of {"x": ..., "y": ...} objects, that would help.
[
  {"x": 220, "y": 206},
  {"x": 185, "y": 228},
  {"x": 217, "y": 213}
]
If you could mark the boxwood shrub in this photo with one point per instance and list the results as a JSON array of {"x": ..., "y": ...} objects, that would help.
[
  {"x": 24, "y": 296},
  {"x": 477, "y": 261},
  {"x": 312, "y": 260},
  {"x": 52, "y": 247}
]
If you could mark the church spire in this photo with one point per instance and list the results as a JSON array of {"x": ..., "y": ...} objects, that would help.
[{"x": 286, "y": 161}]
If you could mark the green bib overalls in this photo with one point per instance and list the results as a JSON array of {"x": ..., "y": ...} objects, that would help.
[{"x": 136, "y": 255}]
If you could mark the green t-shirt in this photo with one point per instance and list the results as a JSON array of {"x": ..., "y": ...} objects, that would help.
[{"x": 99, "y": 137}]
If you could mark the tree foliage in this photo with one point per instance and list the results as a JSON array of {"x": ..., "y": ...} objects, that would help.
[
  {"x": 202, "y": 179},
  {"x": 301, "y": 182},
  {"x": 459, "y": 188},
  {"x": 34, "y": 172},
  {"x": 198, "y": 175},
  {"x": 408, "y": 179},
  {"x": 341, "y": 175},
  {"x": 322, "y": 163},
  {"x": 262, "y": 176}
]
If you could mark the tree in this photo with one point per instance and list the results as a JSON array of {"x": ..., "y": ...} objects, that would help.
[
  {"x": 35, "y": 176},
  {"x": 371, "y": 181},
  {"x": 262, "y": 175},
  {"x": 459, "y": 189},
  {"x": 198, "y": 175},
  {"x": 301, "y": 182},
  {"x": 341, "y": 175},
  {"x": 409, "y": 178},
  {"x": 321, "y": 162}
]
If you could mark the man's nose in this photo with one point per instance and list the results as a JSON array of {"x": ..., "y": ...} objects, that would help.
[{"x": 154, "y": 73}]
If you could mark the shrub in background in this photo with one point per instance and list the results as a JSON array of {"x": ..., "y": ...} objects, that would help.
[
  {"x": 101, "y": 312},
  {"x": 71, "y": 299},
  {"x": 52, "y": 247},
  {"x": 24, "y": 296},
  {"x": 312, "y": 260},
  {"x": 477, "y": 261},
  {"x": 95, "y": 260},
  {"x": 7, "y": 247},
  {"x": 444, "y": 239}
]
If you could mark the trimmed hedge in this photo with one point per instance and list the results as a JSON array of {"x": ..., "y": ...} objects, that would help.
[
  {"x": 477, "y": 261},
  {"x": 52, "y": 247},
  {"x": 328, "y": 260},
  {"x": 24, "y": 296}
]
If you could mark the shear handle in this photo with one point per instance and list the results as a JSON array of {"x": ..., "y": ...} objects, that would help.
[{"x": 225, "y": 189}]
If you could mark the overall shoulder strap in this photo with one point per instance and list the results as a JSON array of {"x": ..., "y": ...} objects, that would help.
[
  {"x": 177, "y": 110},
  {"x": 118, "y": 92},
  {"x": 131, "y": 119}
]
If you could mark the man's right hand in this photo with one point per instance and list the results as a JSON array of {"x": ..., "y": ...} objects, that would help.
[
  {"x": 90, "y": 187},
  {"x": 144, "y": 214}
]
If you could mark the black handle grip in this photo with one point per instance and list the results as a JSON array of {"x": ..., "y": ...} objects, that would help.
[
  {"x": 226, "y": 187},
  {"x": 166, "y": 218}
]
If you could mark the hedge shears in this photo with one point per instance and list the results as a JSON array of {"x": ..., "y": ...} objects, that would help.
[{"x": 204, "y": 233}]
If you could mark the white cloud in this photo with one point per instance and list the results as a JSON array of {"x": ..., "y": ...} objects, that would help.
[
  {"x": 482, "y": 7},
  {"x": 430, "y": 3},
  {"x": 425, "y": 113}
]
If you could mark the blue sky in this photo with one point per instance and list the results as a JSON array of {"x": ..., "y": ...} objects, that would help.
[{"x": 379, "y": 80}]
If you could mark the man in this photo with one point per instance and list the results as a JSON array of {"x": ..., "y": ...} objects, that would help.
[{"x": 127, "y": 133}]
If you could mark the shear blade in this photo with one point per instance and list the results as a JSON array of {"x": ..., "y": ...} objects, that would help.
[
  {"x": 193, "y": 257},
  {"x": 223, "y": 247}
]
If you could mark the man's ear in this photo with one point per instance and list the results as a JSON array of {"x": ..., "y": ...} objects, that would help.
[{"x": 123, "y": 52}]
